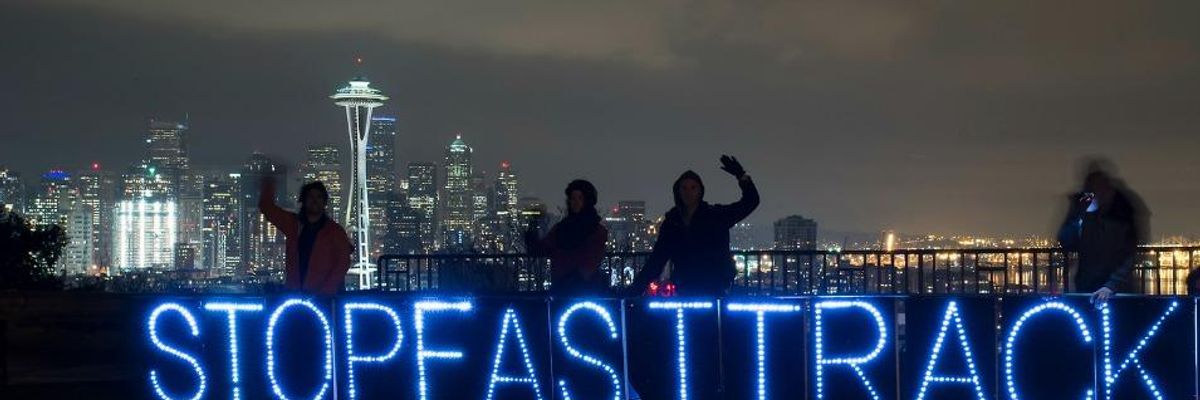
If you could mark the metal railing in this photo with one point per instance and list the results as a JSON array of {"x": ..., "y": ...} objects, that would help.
[{"x": 1158, "y": 271}]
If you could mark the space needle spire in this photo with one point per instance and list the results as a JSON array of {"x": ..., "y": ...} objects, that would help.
[{"x": 359, "y": 99}]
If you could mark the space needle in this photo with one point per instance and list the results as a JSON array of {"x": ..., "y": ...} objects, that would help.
[{"x": 358, "y": 98}]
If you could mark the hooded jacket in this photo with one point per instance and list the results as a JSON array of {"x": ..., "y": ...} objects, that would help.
[
  {"x": 1106, "y": 241},
  {"x": 702, "y": 264}
]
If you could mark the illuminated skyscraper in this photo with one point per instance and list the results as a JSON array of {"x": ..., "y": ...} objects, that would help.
[
  {"x": 381, "y": 157},
  {"x": 143, "y": 180},
  {"x": 480, "y": 196},
  {"x": 263, "y": 244},
  {"x": 381, "y": 177},
  {"x": 324, "y": 164},
  {"x": 79, "y": 256},
  {"x": 506, "y": 215},
  {"x": 359, "y": 100},
  {"x": 54, "y": 200},
  {"x": 97, "y": 191},
  {"x": 190, "y": 215},
  {"x": 459, "y": 199},
  {"x": 144, "y": 233},
  {"x": 167, "y": 151},
  {"x": 423, "y": 197},
  {"x": 506, "y": 189},
  {"x": 220, "y": 232},
  {"x": 403, "y": 227}
]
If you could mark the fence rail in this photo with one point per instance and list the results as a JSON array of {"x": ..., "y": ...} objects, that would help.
[{"x": 1157, "y": 271}]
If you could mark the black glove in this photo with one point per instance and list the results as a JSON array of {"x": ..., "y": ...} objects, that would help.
[{"x": 732, "y": 166}]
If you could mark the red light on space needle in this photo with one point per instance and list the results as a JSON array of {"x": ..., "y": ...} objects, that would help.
[{"x": 95, "y": 166}]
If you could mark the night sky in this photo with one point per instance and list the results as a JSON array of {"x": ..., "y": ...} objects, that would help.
[{"x": 920, "y": 116}]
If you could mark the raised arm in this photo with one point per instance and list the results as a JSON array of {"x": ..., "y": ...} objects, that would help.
[
  {"x": 739, "y": 210},
  {"x": 731, "y": 214},
  {"x": 282, "y": 219}
]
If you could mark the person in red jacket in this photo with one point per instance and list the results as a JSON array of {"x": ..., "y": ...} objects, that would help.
[
  {"x": 575, "y": 245},
  {"x": 318, "y": 249}
]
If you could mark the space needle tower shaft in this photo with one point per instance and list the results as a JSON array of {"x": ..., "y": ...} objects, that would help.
[{"x": 359, "y": 100}]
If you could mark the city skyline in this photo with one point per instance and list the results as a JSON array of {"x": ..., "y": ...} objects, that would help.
[
  {"x": 936, "y": 121},
  {"x": 761, "y": 235}
]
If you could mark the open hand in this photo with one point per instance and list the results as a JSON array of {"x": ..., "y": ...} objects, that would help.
[{"x": 732, "y": 166}]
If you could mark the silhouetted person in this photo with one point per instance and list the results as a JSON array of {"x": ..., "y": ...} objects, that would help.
[
  {"x": 575, "y": 245},
  {"x": 318, "y": 249},
  {"x": 1104, "y": 224},
  {"x": 694, "y": 236}
]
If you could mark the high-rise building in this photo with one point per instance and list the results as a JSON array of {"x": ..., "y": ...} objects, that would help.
[
  {"x": 144, "y": 233},
  {"x": 795, "y": 233},
  {"x": 12, "y": 192},
  {"x": 423, "y": 197},
  {"x": 403, "y": 227},
  {"x": 79, "y": 256},
  {"x": 506, "y": 189},
  {"x": 144, "y": 180},
  {"x": 381, "y": 177},
  {"x": 324, "y": 164},
  {"x": 505, "y": 216},
  {"x": 480, "y": 196},
  {"x": 166, "y": 149},
  {"x": 263, "y": 244},
  {"x": 221, "y": 249},
  {"x": 381, "y": 157},
  {"x": 359, "y": 100},
  {"x": 98, "y": 190},
  {"x": 54, "y": 200},
  {"x": 190, "y": 214},
  {"x": 459, "y": 196}
]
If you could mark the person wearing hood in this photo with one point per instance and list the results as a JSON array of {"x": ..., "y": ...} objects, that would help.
[
  {"x": 575, "y": 245},
  {"x": 694, "y": 236},
  {"x": 1105, "y": 224}
]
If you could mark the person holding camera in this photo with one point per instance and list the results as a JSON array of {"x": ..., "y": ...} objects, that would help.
[
  {"x": 1104, "y": 225},
  {"x": 575, "y": 245}
]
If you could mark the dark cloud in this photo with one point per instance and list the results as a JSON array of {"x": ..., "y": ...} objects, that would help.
[{"x": 919, "y": 116}]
